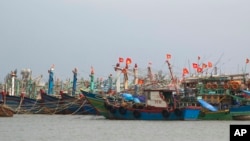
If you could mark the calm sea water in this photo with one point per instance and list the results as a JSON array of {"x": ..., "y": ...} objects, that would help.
[{"x": 97, "y": 128}]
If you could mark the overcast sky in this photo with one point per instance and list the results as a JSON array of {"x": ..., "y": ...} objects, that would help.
[{"x": 82, "y": 33}]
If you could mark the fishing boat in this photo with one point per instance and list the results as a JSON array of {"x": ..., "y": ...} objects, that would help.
[
  {"x": 97, "y": 101},
  {"x": 155, "y": 109},
  {"x": 76, "y": 105},
  {"x": 161, "y": 104},
  {"x": 210, "y": 112},
  {"x": 64, "y": 104},
  {"x": 241, "y": 117},
  {"x": 217, "y": 115},
  {"x": 20, "y": 104},
  {"x": 6, "y": 111},
  {"x": 240, "y": 110},
  {"x": 220, "y": 91},
  {"x": 49, "y": 104}
]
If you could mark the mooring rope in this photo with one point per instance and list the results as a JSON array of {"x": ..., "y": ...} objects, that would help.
[
  {"x": 80, "y": 107},
  {"x": 17, "y": 110}
]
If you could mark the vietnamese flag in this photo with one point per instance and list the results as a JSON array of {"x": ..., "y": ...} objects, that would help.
[
  {"x": 168, "y": 56},
  {"x": 199, "y": 70},
  {"x": 128, "y": 61},
  {"x": 185, "y": 71},
  {"x": 121, "y": 59},
  {"x": 140, "y": 81},
  {"x": 195, "y": 65},
  {"x": 204, "y": 65},
  {"x": 209, "y": 64}
]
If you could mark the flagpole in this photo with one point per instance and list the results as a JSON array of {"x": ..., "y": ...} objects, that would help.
[{"x": 247, "y": 61}]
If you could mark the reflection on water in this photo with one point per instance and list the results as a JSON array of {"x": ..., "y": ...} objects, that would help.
[{"x": 96, "y": 128}]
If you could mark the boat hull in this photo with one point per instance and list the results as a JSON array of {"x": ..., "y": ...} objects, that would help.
[
  {"x": 218, "y": 115},
  {"x": 236, "y": 109},
  {"x": 5, "y": 111},
  {"x": 241, "y": 117},
  {"x": 75, "y": 105},
  {"x": 97, "y": 101},
  {"x": 20, "y": 104},
  {"x": 110, "y": 111},
  {"x": 154, "y": 114}
]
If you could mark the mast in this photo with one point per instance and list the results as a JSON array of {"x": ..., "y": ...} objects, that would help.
[
  {"x": 13, "y": 76},
  {"x": 125, "y": 78},
  {"x": 136, "y": 78},
  {"x": 110, "y": 83},
  {"x": 118, "y": 83},
  {"x": 172, "y": 76},
  {"x": 150, "y": 76},
  {"x": 125, "y": 71},
  {"x": 168, "y": 56},
  {"x": 119, "y": 70},
  {"x": 173, "y": 80},
  {"x": 92, "y": 84},
  {"x": 74, "y": 81},
  {"x": 51, "y": 80}
]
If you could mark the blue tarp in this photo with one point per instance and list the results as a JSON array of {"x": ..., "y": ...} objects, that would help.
[
  {"x": 127, "y": 96},
  {"x": 246, "y": 92},
  {"x": 136, "y": 99},
  {"x": 207, "y": 105}
]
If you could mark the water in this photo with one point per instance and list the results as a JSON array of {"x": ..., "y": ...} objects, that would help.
[{"x": 96, "y": 128}]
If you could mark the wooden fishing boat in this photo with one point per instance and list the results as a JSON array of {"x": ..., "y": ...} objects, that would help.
[
  {"x": 160, "y": 103},
  {"x": 6, "y": 111},
  {"x": 74, "y": 105},
  {"x": 155, "y": 108},
  {"x": 49, "y": 104},
  {"x": 218, "y": 115},
  {"x": 97, "y": 101},
  {"x": 219, "y": 91},
  {"x": 65, "y": 104},
  {"x": 20, "y": 104},
  {"x": 241, "y": 117}
]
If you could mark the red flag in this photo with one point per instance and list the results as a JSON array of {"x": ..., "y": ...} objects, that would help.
[
  {"x": 168, "y": 56},
  {"x": 204, "y": 65},
  {"x": 140, "y": 81},
  {"x": 199, "y": 70},
  {"x": 247, "y": 61},
  {"x": 185, "y": 71},
  {"x": 121, "y": 59},
  {"x": 195, "y": 65},
  {"x": 210, "y": 65},
  {"x": 128, "y": 61}
]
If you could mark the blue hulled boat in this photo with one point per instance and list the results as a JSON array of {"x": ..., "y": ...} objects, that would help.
[
  {"x": 20, "y": 104},
  {"x": 160, "y": 105},
  {"x": 76, "y": 105},
  {"x": 64, "y": 104}
]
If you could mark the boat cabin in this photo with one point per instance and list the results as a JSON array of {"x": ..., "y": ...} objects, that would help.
[{"x": 216, "y": 89}]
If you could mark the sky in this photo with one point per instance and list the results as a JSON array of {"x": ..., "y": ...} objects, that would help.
[{"x": 35, "y": 34}]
